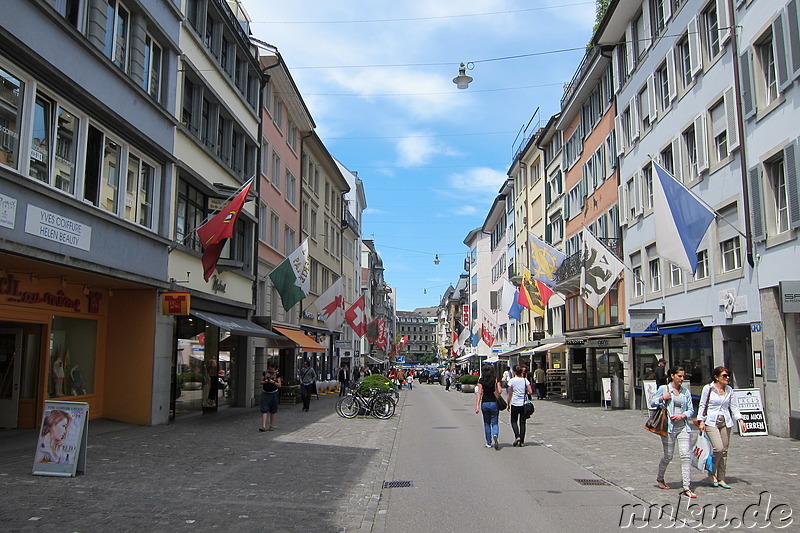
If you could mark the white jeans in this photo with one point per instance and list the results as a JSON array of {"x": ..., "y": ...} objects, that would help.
[{"x": 684, "y": 449}]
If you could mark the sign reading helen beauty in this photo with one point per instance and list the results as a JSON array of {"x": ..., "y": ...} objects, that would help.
[{"x": 57, "y": 228}]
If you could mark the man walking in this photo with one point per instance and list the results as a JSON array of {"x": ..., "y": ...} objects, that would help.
[
  {"x": 661, "y": 377},
  {"x": 271, "y": 384},
  {"x": 540, "y": 378},
  {"x": 447, "y": 378},
  {"x": 344, "y": 379},
  {"x": 308, "y": 377}
]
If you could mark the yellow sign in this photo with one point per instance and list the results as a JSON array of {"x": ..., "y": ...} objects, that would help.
[{"x": 175, "y": 303}]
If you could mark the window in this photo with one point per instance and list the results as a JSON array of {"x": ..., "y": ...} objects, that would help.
[
  {"x": 776, "y": 174},
  {"x": 51, "y": 163},
  {"x": 689, "y": 141},
  {"x": 767, "y": 74},
  {"x": 644, "y": 107},
  {"x": 11, "y": 100},
  {"x": 263, "y": 221},
  {"x": 139, "y": 191},
  {"x": 277, "y": 112},
  {"x": 668, "y": 160},
  {"x": 265, "y": 159},
  {"x": 288, "y": 240},
  {"x": 275, "y": 230},
  {"x": 276, "y": 169},
  {"x": 151, "y": 80},
  {"x": 719, "y": 131},
  {"x": 314, "y": 276},
  {"x": 638, "y": 282},
  {"x": 640, "y": 38},
  {"x": 675, "y": 276},
  {"x": 658, "y": 14},
  {"x": 731, "y": 254},
  {"x": 190, "y": 214},
  {"x": 655, "y": 275},
  {"x": 702, "y": 265},
  {"x": 313, "y": 224},
  {"x": 116, "y": 35},
  {"x": 711, "y": 35},
  {"x": 291, "y": 136},
  {"x": 647, "y": 186},
  {"x": 684, "y": 65},
  {"x": 662, "y": 81},
  {"x": 291, "y": 187},
  {"x": 304, "y": 216}
]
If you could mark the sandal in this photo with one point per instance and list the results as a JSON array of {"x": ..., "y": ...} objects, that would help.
[
  {"x": 661, "y": 484},
  {"x": 688, "y": 493}
]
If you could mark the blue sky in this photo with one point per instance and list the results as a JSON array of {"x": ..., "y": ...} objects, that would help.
[{"x": 377, "y": 78}]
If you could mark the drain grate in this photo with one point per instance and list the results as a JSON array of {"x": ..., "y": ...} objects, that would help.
[
  {"x": 593, "y": 481},
  {"x": 397, "y": 484}
]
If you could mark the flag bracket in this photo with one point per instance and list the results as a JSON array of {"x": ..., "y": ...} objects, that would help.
[{"x": 188, "y": 275}]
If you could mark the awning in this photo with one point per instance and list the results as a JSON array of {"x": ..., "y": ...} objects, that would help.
[
  {"x": 464, "y": 358},
  {"x": 545, "y": 347},
  {"x": 307, "y": 344},
  {"x": 684, "y": 328},
  {"x": 516, "y": 351},
  {"x": 375, "y": 361},
  {"x": 491, "y": 359},
  {"x": 236, "y": 325}
]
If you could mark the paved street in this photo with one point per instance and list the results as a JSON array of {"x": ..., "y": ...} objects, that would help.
[{"x": 320, "y": 472}]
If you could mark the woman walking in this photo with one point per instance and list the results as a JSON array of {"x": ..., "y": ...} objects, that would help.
[
  {"x": 678, "y": 401},
  {"x": 717, "y": 414},
  {"x": 487, "y": 392},
  {"x": 518, "y": 390}
]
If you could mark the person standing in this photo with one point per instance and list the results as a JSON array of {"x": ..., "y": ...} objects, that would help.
[
  {"x": 448, "y": 377},
  {"x": 410, "y": 380},
  {"x": 540, "y": 379},
  {"x": 486, "y": 394},
  {"x": 344, "y": 379},
  {"x": 507, "y": 375},
  {"x": 678, "y": 401},
  {"x": 717, "y": 413},
  {"x": 308, "y": 378},
  {"x": 661, "y": 377},
  {"x": 270, "y": 383},
  {"x": 518, "y": 390},
  {"x": 401, "y": 378}
]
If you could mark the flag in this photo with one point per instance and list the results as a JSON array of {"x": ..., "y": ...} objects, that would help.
[
  {"x": 488, "y": 330},
  {"x": 681, "y": 220},
  {"x": 529, "y": 295},
  {"x": 403, "y": 341},
  {"x": 214, "y": 233},
  {"x": 372, "y": 331},
  {"x": 291, "y": 277},
  {"x": 383, "y": 340},
  {"x": 465, "y": 337},
  {"x": 515, "y": 311},
  {"x": 474, "y": 339},
  {"x": 330, "y": 305},
  {"x": 356, "y": 317},
  {"x": 455, "y": 347},
  {"x": 457, "y": 331},
  {"x": 544, "y": 292},
  {"x": 544, "y": 261},
  {"x": 509, "y": 297},
  {"x": 600, "y": 270}
]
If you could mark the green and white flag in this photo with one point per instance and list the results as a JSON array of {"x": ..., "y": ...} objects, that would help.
[{"x": 292, "y": 277}]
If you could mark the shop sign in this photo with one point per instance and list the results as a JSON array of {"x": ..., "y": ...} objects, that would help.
[
  {"x": 176, "y": 303},
  {"x": 575, "y": 341},
  {"x": 752, "y": 409},
  {"x": 8, "y": 211},
  {"x": 344, "y": 344},
  {"x": 56, "y": 228},
  {"x": 465, "y": 316},
  {"x": 10, "y": 286},
  {"x": 644, "y": 323},
  {"x": 61, "y": 449},
  {"x": 790, "y": 296}
]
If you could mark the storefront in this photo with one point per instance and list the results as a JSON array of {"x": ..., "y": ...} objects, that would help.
[
  {"x": 305, "y": 347},
  {"x": 590, "y": 360}
]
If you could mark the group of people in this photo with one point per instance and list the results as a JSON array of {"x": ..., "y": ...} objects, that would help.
[
  {"x": 717, "y": 414},
  {"x": 489, "y": 390}
]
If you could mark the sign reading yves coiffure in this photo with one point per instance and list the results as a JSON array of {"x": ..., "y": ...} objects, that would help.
[
  {"x": 61, "y": 448},
  {"x": 57, "y": 228},
  {"x": 790, "y": 296}
]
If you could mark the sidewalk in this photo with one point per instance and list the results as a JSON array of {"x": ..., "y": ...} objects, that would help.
[{"x": 316, "y": 471}]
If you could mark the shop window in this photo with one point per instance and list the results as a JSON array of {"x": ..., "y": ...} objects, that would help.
[
  {"x": 73, "y": 353},
  {"x": 693, "y": 351},
  {"x": 646, "y": 353}
]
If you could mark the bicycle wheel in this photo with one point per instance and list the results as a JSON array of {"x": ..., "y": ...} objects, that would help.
[
  {"x": 347, "y": 407},
  {"x": 382, "y": 408}
]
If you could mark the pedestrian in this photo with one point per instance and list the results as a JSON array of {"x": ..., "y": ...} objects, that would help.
[
  {"x": 401, "y": 379},
  {"x": 540, "y": 379},
  {"x": 447, "y": 378},
  {"x": 410, "y": 380},
  {"x": 487, "y": 392},
  {"x": 661, "y": 377},
  {"x": 270, "y": 383},
  {"x": 678, "y": 401},
  {"x": 507, "y": 376},
  {"x": 519, "y": 389},
  {"x": 717, "y": 413},
  {"x": 344, "y": 379},
  {"x": 308, "y": 378}
]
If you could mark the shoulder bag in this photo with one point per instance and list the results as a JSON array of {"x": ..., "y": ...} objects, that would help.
[
  {"x": 658, "y": 421},
  {"x": 529, "y": 408}
]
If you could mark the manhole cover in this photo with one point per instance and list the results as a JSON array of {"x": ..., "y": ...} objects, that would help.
[
  {"x": 593, "y": 481},
  {"x": 396, "y": 484}
]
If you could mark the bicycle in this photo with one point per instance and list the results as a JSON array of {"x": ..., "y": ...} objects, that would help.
[{"x": 379, "y": 405}]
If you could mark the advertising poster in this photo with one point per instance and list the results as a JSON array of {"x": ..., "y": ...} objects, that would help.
[
  {"x": 649, "y": 387},
  {"x": 606, "y": 390},
  {"x": 61, "y": 447},
  {"x": 752, "y": 409}
]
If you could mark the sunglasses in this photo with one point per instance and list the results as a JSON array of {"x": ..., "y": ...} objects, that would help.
[{"x": 724, "y": 376}]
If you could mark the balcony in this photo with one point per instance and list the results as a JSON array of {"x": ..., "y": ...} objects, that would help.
[
  {"x": 568, "y": 274},
  {"x": 349, "y": 221}
]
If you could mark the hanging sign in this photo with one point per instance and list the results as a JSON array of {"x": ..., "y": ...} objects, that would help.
[
  {"x": 175, "y": 303},
  {"x": 61, "y": 449},
  {"x": 752, "y": 409}
]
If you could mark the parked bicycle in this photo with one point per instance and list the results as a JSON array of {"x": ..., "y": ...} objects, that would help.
[{"x": 378, "y": 404}]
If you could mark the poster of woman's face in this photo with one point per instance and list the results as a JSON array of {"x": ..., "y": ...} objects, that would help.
[{"x": 58, "y": 438}]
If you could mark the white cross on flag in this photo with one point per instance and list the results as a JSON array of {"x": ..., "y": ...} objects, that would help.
[
  {"x": 356, "y": 317},
  {"x": 488, "y": 330}
]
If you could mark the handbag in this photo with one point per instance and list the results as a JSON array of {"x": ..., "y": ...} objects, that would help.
[
  {"x": 702, "y": 453},
  {"x": 528, "y": 407},
  {"x": 501, "y": 403},
  {"x": 657, "y": 423}
]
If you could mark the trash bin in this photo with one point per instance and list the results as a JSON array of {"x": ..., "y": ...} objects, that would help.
[{"x": 617, "y": 392}]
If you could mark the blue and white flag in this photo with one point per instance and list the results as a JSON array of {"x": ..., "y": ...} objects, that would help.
[
  {"x": 681, "y": 220},
  {"x": 510, "y": 304}
]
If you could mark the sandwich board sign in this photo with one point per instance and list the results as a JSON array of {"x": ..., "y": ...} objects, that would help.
[
  {"x": 752, "y": 409},
  {"x": 61, "y": 447}
]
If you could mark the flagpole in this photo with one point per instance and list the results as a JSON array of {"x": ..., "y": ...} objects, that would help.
[{"x": 210, "y": 215}]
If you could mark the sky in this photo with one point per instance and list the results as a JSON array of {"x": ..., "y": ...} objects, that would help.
[{"x": 377, "y": 79}]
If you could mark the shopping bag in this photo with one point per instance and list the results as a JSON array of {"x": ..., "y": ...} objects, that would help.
[
  {"x": 657, "y": 423},
  {"x": 703, "y": 454}
]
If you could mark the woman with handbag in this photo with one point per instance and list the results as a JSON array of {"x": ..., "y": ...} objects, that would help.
[
  {"x": 519, "y": 390},
  {"x": 678, "y": 401},
  {"x": 486, "y": 394},
  {"x": 717, "y": 414}
]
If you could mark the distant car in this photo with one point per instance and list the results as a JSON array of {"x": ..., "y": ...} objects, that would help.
[
  {"x": 422, "y": 376},
  {"x": 435, "y": 376}
]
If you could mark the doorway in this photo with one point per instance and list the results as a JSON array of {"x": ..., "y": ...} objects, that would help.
[{"x": 10, "y": 372}]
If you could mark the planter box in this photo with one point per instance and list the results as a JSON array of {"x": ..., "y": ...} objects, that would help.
[
  {"x": 289, "y": 400},
  {"x": 467, "y": 388}
]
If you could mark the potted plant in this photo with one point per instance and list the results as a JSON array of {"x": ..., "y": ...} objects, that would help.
[
  {"x": 289, "y": 393},
  {"x": 374, "y": 381},
  {"x": 468, "y": 382}
]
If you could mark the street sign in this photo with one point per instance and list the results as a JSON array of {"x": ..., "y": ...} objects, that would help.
[
  {"x": 401, "y": 359},
  {"x": 752, "y": 409}
]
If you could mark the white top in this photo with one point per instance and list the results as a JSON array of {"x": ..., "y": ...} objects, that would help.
[
  {"x": 507, "y": 376},
  {"x": 520, "y": 388},
  {"x": 713, "y": 405}
]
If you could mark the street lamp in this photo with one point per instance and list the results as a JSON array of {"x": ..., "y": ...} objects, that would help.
[{"x": 462, "y": 81}]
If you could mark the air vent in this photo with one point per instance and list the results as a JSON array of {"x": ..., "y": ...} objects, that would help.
[
  {"x": 593, "y": 481},
  {"x": 397, "y": 484}
]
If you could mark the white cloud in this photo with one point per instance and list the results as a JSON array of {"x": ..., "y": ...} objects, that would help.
[
  {"x": 465, "y": 210},
  {"x": 478, "y": 181},
  {"x": 418, "y": 150},
  {"x": 373, "y": 211}
]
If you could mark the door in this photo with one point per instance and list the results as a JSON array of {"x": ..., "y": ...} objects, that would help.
[{"x": 10, "y": 367}]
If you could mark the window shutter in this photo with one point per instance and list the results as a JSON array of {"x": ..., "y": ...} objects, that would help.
[
  {"x": 646, "y": 42},
  {"x": 791, "y": 162},
  {"x": 701, "y": 138},
  {"x": 634, "y": 125},
  {"x": 793, "y": 32},
  {"x": 671, "y": 73},
  {"x": 730, "y": 117},
  {"x": 695, "y": 60},
  {"x": 723, "y": 21},
  {"x": 676, "y": 159},
  {"x": 615, "y": 70},
  {"x": 667, "y": 11},
  {"x": 651, "y": 91},
  {"x": 756, "y": 206},
  {"x": 781, "y": 57},
  {"x": 620, "y": 135},
  {"x": 746, "y": 77},
  {"x": 629, "y": 47},
  {"x": 639, "y": 188},
  {"x": 623, "y": 205}
]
